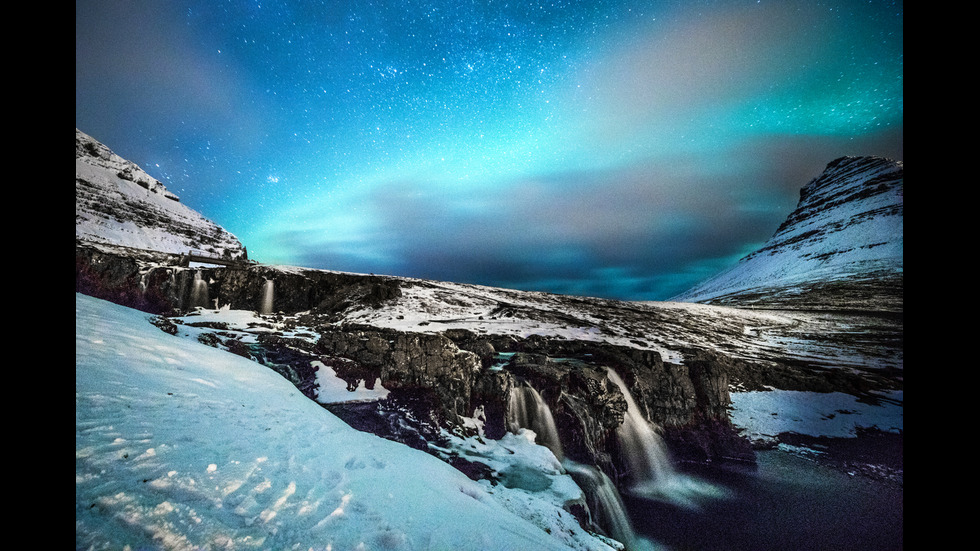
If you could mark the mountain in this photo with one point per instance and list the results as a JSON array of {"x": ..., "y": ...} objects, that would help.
[
  {"x": 117, "y": 204},
  {"x": 840, "y": 249}
]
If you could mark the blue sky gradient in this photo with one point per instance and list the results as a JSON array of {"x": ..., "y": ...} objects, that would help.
[{"x": 623, "y": 149}]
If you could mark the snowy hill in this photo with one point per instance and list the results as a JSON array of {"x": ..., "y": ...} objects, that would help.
[
  {"x": 842, "y": 248},
  {"x": 182, "y": 446},
  {"x": 118, "y": 204}
]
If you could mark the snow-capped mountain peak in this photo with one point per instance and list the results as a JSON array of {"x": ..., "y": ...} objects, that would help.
[
  {"x": 118, "y": 204},
  {"x": 841, "y": 247}
]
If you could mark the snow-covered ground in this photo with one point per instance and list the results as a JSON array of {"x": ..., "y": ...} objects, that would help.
[
  {"x": 827, "y": 339},
  {"x": 764, "y": 414},
  {"x": 182, "y": 446},
  {"x": 437, "y": 306}
]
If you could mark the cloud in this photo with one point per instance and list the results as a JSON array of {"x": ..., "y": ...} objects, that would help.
[
  {"x": 565, "y": 231},
  {"x": 137, "y": 58}
]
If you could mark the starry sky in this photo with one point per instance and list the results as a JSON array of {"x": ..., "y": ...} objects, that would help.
[{"x": 615, "y": 148}]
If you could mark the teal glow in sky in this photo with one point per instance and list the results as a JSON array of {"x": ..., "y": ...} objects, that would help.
[{"x": 624, "y": 149}]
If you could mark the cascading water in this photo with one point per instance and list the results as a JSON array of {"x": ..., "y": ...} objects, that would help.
[
  {"x": 267, "y": 294},
  {"x": 528, "y": 410},
  {"x": 652, "y": 473},
  {"x": 199, "y": 292},
  {"x": 605, "y": 504},
  {"x": 644, "y": 449}
]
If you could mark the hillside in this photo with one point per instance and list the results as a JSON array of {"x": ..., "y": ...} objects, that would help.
[
  {"x": 175, "y": 449},
  {"x": 840, "y": 249},
  {"x": 119, "y": 206}
]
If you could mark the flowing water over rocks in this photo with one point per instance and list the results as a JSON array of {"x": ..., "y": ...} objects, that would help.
[
  {"x": 652, "y": 474},
  {"x": 528, "y": 410},
  {"x": 268, "y": 293}
]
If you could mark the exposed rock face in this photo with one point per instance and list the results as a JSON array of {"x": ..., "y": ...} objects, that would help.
[
  {"x": 296, "y": 290},
  {"x": 125, "y": 279},
  {"x": 688, "y": 401},
  {"x": 416, "y": 363},
  {"x": 153, "y": 282},
  {"x": 840, "y": 249},
  {"x": 571, "y": 377}
]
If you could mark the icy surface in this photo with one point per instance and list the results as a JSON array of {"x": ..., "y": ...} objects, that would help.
[
  {"x": 331, "y": 389},
  {"x": 182, "y": 446},
  {"x": 833, "y": 340},
  {"x": 764, "y": 414}
]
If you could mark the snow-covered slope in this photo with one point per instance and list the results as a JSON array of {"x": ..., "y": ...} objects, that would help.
[
  {"x": 118, "y": 204},
  {"x": 841, "y": 248},
  {"x": 182, "y": 446},
  {"x": 825, "y": 339}
]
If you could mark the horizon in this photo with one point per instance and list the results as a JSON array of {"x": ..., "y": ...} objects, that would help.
[{"x": 623, "y": 149}]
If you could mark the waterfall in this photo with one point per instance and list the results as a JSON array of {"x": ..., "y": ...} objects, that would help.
[
  {"x": 267, "y": 291},
  {"x": 605, "y": 504},
  {"x": 528, "y": 410},
  {"x": 645, "y": 451},
  {"x": 199, "y": 292},
  {"x": 651, "y": 471}
]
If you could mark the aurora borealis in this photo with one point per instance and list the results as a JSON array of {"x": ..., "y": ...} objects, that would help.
[{"x": 623, "y": 149}]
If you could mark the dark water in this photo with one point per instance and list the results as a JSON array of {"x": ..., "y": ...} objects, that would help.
[{"x": 789, "y": 504}]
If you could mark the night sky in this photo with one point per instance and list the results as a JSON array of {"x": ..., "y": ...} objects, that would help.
[{"x": 623, "y": 149}]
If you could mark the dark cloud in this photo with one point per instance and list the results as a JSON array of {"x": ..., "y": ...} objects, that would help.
[{"x": 572, "y": 230}]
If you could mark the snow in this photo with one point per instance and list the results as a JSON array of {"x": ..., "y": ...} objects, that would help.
[
  {"x": 333, "y": 390},
  {"x": 437, "y": 306},
  {"x": 764, "y": 414},
  {"x": 182, "y": 446},
  {"x": 668, "y": 328}
]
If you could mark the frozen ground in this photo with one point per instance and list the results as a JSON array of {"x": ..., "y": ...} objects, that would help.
[
  {"x": 824, "y": 339},
  {"x": 182, "y": 446},
  {"x": 765, "y": 414},
  {"x": 840, "y": 340}
]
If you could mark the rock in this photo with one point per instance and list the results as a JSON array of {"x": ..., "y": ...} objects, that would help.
[
  {"x": 155, "y": 283},
  {"x": 112, "y": 193},
  {"x": 491, "y": 391},
  {"x": 415, "y": 363}
]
